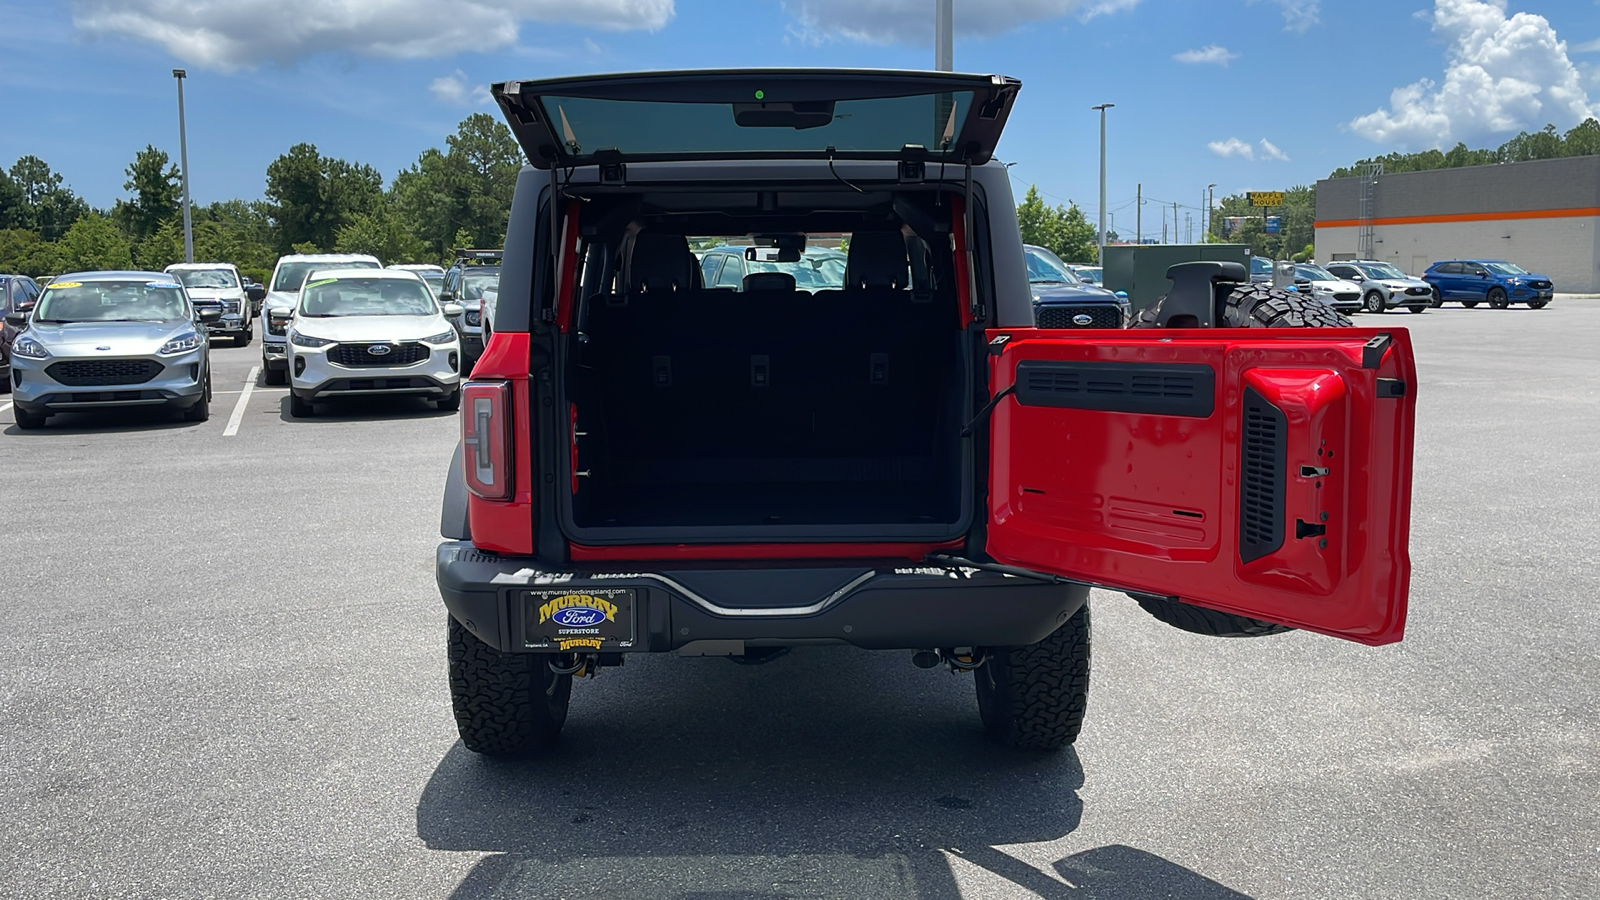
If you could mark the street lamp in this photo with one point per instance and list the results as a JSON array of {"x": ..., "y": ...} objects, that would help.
[
  {"x": 1210, "y": 202},
  {"x": 183, "y": 161},
  {"x": 1102, "y": 108}
]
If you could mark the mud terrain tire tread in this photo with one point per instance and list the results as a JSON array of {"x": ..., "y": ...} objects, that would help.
[
  {"x": 1209, "y": 622},
  {"x": 505, "y": 704},
  {"x": 1034, "y": 697},
  {"x": 1260, "y": 306}
]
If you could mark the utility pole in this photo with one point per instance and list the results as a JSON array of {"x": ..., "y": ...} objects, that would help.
[
  {"x": 1211, "y": 197},
  {"x": 944, "y": 55},
  {"x": 1102, "y": 108},
  {"x": 1175, "y": 235},
  {"x": 183, "y": 160},
  {"x": 1138, "y": 216}
]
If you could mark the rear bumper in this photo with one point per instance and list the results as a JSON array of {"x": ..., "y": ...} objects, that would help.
[{"x": 878, "y": 606}]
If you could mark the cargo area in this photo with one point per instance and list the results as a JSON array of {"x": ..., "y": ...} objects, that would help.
[{"x": 764, "y": 407}]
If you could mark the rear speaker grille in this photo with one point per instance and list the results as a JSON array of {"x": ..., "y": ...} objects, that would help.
[{"x": 1264, "y": 456}]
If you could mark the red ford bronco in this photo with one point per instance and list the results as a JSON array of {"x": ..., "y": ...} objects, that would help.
[{"x": 862, "y": 437}]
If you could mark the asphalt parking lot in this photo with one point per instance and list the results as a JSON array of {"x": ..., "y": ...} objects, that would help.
[{"x": 224, "y": 677}]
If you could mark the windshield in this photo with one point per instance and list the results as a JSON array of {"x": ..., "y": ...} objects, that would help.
[
  {"x": 1315, "y": 273},
  {"x": 1382, "y": 270},
  {"x": 1045, "y": 267},
  {"x": 293, "y": 274},
  {"x": 214, "y": 279},
  {"x": 1502, "y": 268},
  {"x": 473, "y": 284},
  {"x": 328, "y": 297},
  {"x": 435, "y": 280},
  {"x": 1260, "y": 265},
  {"x": 1091, "y": 274},
  {"x": 814, "y": 272},
  {"x": 112, "y": 301}
]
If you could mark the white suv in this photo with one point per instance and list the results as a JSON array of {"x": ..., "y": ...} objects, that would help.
[
  {"x": 363, "y": 331},
  {"x": 283, "y": 292}
]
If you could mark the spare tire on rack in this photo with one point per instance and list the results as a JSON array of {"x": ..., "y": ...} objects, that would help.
[{"x": 1238, "y": 306}]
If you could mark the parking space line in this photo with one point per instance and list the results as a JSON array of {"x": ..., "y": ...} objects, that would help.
[
  {"x": 244, "y": 400},
  {"x": 5, "y": 406}
]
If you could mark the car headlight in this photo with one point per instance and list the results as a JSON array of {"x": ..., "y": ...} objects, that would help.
[
  {"x": 28, "y": 348},
  {"x": 474, "y": 318},
  {"x": 443, "y": 337},
  {"x": 306, "y": 340},
  {"x": 183, "y": 343}
]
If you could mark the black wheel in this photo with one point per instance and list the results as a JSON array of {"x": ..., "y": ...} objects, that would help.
[
  {"x": 1469, "y": 304},
  {"x": 504, "y": 703},
  {"x": 1034, "y": 697},
  {"x": 1497, "y": 298},
  {"x": 275, "y": 377},
  {"x": 1437, "y": 301},
  {"x": 1210, "y": 622},
  {"x": 242, "y": 339},
  {"x": 450, "y": 402},
  {"x": 1532, "y": 304},
  {"x": 28, "y": 421},
  {"x": 1372, "y": 302},
  {"x": 1416, "y": 309},
  {"x": 201, "y": 410},
  {"x": 1262, "y": 306},
  {"x": 5, "y": 381},
  {"x": 301, "y": 409}
]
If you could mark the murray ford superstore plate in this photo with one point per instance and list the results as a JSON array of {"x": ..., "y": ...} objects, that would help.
[{"x": 584, "y": 620}]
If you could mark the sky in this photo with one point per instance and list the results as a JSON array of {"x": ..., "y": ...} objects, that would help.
[{"x": 1246, "y": 94}]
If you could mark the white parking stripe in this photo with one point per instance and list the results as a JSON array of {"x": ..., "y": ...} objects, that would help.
[
  {"x": 5, "y": 406},
  {"x": 244, "y": 400}
]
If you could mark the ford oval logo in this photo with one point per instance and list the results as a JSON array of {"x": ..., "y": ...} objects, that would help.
[
  {"x": 380, "y": 349},
  {"x": 1081, "y": 319},
  {"x": 579, "y": 617},
  {"x": 103, "y": 347}
]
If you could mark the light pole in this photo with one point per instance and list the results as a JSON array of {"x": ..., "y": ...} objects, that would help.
[
  {"x": 944, "y": 36},
  {"x": 1210, "y": 202},
  {"x": 1102, "y": 108},
  {"x": 183, "y": 160}
]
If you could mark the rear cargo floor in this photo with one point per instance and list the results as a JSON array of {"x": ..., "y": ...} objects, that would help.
[{"x": 667, "y": 505}]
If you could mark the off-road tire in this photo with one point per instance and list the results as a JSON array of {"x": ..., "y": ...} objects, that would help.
[
  {"x": 1209, "y": 622},
  {"x": 1261, "y": 306},
  {"x": 1469, "y": 304},
  {"x": 28, "y": 421},
  {"x": 301, "y": 409},
  {"x": 1373, "y": 302},
  {"x": 450, "y": 402},
  {"x": 1538, "y": 304},
  {"x": 273, "y": 377},
  {"x": 1497, "y": 298},
  {"x": 505, "y": 704},
  {"x": 1034, "y": 697}
]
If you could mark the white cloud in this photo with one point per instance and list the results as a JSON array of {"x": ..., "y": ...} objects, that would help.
[
  {"x": 1233, "y": 147},
  {"x": 454, "y": 90},
  {"x": 1586, "y": 47},
  {"x": 911, "y": 21},
  {"x": 1503, "y": 74},
  {"x": 1210, "y": 54},
  {"x": 1298, "y": 15},
  {"x": 233, "y": 34}
]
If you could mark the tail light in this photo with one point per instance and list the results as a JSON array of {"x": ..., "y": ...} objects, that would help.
[{"x": 486, "y": 438}]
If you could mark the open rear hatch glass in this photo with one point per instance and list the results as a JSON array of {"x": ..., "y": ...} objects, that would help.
[{"x": 758, "y": 114}]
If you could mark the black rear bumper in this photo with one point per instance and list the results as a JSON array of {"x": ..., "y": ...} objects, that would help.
[{"x": 877, "y": 605}]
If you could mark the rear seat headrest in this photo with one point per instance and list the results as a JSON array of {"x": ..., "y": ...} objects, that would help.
[
  {"x": 769, "y": 281},
  {"x": 661, "y": 262},
  {"x": 877, "y": 259}
]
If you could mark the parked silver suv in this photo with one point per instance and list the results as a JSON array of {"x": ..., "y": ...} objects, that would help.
[
  {"x": 1384, "y": 287},
  {"x": 100, "y": 339}
]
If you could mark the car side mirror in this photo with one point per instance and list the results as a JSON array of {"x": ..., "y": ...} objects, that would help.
[
  {"x": 208, "y": 315},
  {"x": 255, "y": 292},
  {"x": 452, "y": 310},
  {"x": 17, "y": 319},
  {"x": 447, "y": 297}
]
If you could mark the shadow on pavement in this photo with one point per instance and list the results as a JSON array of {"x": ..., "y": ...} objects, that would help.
[
  {"x": 110, "y": 420},
  {"x": 826, "y": 773},
  {"x": 372, "y": 408}
]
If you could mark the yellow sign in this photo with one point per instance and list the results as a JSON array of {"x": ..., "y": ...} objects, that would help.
[
  {"x": 64, "y": 285},
  {"x": 575, "y": 643},
  {"x": 1265, "y": 198},
  {"x": 586, "y": 610}
]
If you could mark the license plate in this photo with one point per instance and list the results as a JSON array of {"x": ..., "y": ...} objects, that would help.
[{"x": 580, "y": 619}]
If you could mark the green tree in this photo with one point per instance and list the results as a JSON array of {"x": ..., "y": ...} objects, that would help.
[
  {"x": 1583, "y": 139},
  {"x": 310, "y": 196},
  {"x": 1296, "y": 221},
  {"x": 382, "y": 234},
  {"x": 161, "y": 248},
  {"x": 22, "y": 251},
  {"x": 156, "y": 188},
  {"x": 13, "y": 213},
  {"x": 1063, "y": 230},
  {"x": 94, "y": 242},
  {"x": 49, "y": 206},
  {"x": 466, "y": 188}
]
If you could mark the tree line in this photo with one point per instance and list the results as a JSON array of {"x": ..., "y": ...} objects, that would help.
[
  {"x": 1582, "y": 139},
  {"x": 459, "y": 196}
]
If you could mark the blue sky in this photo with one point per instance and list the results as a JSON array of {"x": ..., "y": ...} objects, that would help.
[{"x": 1249, "y": 94}]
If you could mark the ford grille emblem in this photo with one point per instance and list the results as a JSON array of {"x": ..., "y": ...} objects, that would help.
[
  {"x": 380, "y": 349},
  {"x": 1081, "y": 319},
  {"x": 103, "y": 347}
]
